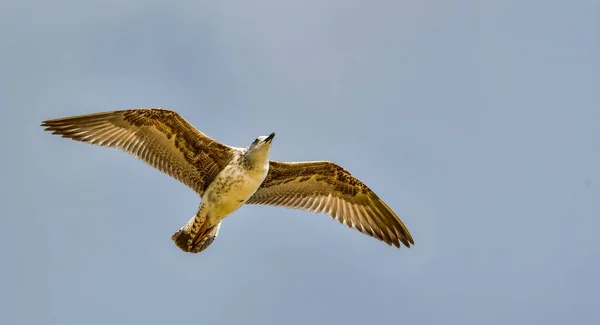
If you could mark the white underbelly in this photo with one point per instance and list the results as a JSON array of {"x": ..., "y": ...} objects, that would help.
[{"x": 230, "y": 190}]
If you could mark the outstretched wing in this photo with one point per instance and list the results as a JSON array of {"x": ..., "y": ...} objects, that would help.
[
  {"x": 322, "y": 186},
  {"x": 158, "y": 137}
]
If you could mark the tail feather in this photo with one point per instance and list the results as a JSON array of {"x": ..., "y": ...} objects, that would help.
[{"x": 195, "y": 243}]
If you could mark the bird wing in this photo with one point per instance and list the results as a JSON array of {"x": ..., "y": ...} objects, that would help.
[
  {"x": 322, "y": 186},
  {"x": 159, "y": 137}
]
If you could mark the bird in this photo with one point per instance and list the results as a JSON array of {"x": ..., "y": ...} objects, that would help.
[{"x": 227, "y": 177}]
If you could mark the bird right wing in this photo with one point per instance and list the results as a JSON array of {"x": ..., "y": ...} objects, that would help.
[
  {"x": 159, "y": 137},
  {"x": 322, "y": 186}
]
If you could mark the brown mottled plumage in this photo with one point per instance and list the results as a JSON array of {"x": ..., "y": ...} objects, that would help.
[
  {"x": 159, "y": 137},
  {"x": 167, "y": 142},
  {"x": 322, "y": 186}
]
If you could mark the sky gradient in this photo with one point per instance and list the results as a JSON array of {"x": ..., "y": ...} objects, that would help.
[{"x": 478, "y": 122}]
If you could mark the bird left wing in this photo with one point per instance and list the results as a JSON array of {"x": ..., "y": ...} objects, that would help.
[
  {"x": 159, "y": 137},
  {"x": 322, "y": 186}
]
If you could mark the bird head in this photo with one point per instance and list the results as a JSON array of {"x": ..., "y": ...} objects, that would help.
[
  {"x": 259, "y": 149},
  {"x": 262, "y": 142}
]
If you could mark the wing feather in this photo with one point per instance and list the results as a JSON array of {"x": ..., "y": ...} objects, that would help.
[
  {"x": 159, "y": 137},
  {"x": 322, "y": 186}
]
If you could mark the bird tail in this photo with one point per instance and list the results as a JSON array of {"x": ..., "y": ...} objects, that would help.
[{"x": 195, "y": 242}]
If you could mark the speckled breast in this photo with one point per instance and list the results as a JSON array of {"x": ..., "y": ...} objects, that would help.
[{"x": 231, "y": 189}]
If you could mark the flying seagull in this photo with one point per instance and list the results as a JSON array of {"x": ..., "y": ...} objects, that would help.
[{"x": 226, "y": 177}]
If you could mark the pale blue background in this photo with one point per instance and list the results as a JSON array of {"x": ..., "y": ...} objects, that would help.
[{"x": 477, "y": 121}]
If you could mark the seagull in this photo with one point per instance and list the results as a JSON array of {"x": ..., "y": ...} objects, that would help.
[{"x": 227, "y": 177}]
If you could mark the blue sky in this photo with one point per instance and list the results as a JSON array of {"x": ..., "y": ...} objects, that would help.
[{"x": 476, "y": 121}]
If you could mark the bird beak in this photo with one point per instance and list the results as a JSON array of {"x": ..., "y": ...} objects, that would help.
[{"x": 270, "y": 137}]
